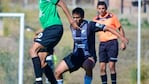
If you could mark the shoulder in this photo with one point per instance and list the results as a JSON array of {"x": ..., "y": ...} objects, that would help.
[
  {"x": 86, "y": 21},
  {"x": 113, "y": 15}
]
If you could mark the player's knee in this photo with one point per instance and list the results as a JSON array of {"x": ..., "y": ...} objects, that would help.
[
  {"x": 112, "y": 69},
  {"x": 103, "y": 69},
  {"x": 32, "y": 52},
  {"x": 88, "y": 65},
  {"x": 112, "y": 66},
  {"x": 58, "y": 73}
]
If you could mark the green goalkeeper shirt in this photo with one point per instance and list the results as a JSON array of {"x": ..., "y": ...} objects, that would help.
[{"x": 48, "y": 14}]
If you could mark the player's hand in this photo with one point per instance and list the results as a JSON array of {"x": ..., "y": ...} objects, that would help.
[
  {"x": 37, "y": 33},
  {"x": 123, "y": 46},
  {"x": 74, "y": 25},
  {"x": 125, "y": 40}
]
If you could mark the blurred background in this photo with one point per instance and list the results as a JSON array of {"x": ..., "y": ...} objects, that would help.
[{"x": 127, "y": 12}]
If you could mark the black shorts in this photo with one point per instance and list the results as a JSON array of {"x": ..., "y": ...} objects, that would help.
[
  {"x": 108, "y": 51},
  {"x": 46, "y": 49},
  {"x": 74, "y": 61},
  {"x": 50, "y": 36}
]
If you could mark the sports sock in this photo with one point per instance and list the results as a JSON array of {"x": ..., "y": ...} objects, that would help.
[
  {"x": 37, "y": 69},
  {"x": 87, "y": 79},
  {"x": 60, "y": 81},
  {"x": 49, "y": 61},
  {"x": 113, "y": 78},
  {"x": 104, "y": 79},
  {"x": 50, "y": 75}
]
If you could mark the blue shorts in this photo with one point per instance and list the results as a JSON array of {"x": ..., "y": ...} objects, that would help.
[
  {"x": 50, "y": 36},
  {"x": 108, "y": 51},
  {"x": 74, "y": 61}
]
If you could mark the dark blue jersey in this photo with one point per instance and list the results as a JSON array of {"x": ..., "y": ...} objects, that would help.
[{"x": 84, "y": 38}]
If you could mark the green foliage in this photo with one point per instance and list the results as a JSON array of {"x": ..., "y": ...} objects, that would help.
[
  {"x": 134, "y": 75},
  {"x": 125, "y": 22},
  {"x": 8, "y": 68},
  {"x": 145, "y": 23},
  {"x": 144, "y": 74}
]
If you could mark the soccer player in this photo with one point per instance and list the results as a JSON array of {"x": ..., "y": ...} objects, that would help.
[
  {"x": 108, "y": 48},
  {"x": 52, "y": 31},
  {"x": 83, "y": 54},
  {"x": 47, "y": 61}
]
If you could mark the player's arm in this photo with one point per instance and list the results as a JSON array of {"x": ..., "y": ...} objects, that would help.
[
  {"x": 62, "y": 4},
  {"x": 122, "y": 45},
  {"x": 102, "y": 27},
  {"x": 121, "y": 30},
  {"x": 37, "y": 32},
  {"x": 123, "y": 39}
]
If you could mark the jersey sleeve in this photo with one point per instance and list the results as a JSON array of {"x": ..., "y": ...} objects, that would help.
[
  {"x": 116, "y": 22},
  {"x": 54, "y": 1},
  {"x": 96, "y": 26},
  {"x": 49, "y": 1}
]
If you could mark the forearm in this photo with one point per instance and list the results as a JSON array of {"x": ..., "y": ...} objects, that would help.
[
  {"x": 123, "y": 39},
  {"x": 122, "y": 31},
  {"x": 113, "y": 31}
]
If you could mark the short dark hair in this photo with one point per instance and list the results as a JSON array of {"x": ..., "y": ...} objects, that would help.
[
  {"x": 79, "y": 11},
  {"x": 102, "y": 3}
]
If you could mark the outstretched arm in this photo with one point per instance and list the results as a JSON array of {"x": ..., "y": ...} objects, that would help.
[
  {"x": 125, "y": 40},
  {"x": 62, "y": 4},
  {"x": 102, "y": 27}
]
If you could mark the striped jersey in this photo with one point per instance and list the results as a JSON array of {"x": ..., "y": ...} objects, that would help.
[{"x": 84, "y": 38}]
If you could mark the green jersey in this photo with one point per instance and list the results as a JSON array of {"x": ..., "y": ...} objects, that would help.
[{"x": 48, "y": 14}]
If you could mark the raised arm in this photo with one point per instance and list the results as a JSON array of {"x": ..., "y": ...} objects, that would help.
[{"x": 62, "y": 4}]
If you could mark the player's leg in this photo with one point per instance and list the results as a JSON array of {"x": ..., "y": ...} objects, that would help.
[
  {"x": 47, "y": 65},
  {"x": 69, "y": 63},
  {"x": 49, "y": 58},
  {"x": 103, "y": 59},
  {"x": 60, "y": 69},
  {"x": 36, "y": 61},
  {"x": 49, "y": 74},
  {"x": 103, "y": 73},
  {"x": 88, "y": 66},
  {"x": 112, "y": 54},
  {"x": 112, "y": 66},
  {"x": 42, "y": 55}
]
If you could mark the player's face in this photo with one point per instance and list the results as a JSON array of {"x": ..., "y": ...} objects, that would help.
[
  {"x": 77, "y": 18},
  {"x": 101, "y": 10}
]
